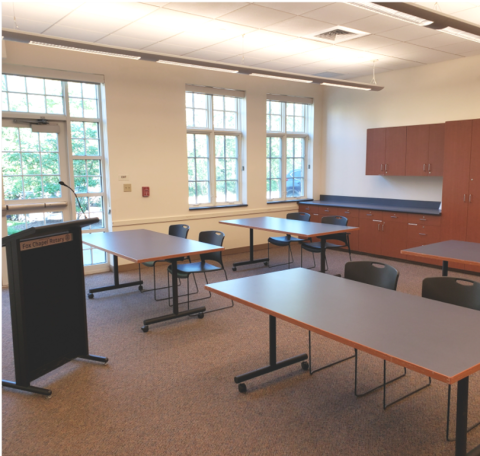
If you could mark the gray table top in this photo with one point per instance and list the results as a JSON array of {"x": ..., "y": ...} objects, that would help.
[
  {"x": 466, "y": 252},
  {"x": 294, "y": 227},
  {"x": 141, "y": 246},
  {"x": 430, "y": 337}
]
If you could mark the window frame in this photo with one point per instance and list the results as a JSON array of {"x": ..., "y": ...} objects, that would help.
[
  {"x": 211, "y": 132},
  {"x": 284, "y": 135}
]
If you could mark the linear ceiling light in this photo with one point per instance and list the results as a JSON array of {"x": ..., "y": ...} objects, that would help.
[
  {"x": 202, "y": 67},
  {"x": 460, "y": 34},
  {"x": 344, "y": 86},
  {"x": 279, "y": 77},
  {"x": 392, "y": 13},
  {"x": 88, "y": 51}
]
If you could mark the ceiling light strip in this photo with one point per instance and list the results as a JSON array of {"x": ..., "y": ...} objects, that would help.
[
  {"x": 460, "y": 34},
  {"x": 202, "y": 67},
  {"x": 344, "y": 86},
  {"x": 259, "y": 75},
  {"x": 392, "y": 13},
  {"x": 88, "y": 51}
]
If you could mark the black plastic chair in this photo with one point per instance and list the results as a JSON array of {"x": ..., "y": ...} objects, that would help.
[
  {"x": 180, "y": 231},
  {"x": 385, "y": 276},
  {"x": 459, "y": 292},
  {"x": 285, "y": 241},
  {"x": 184, "y": 270},
  {"x": 316, "y": 247}
]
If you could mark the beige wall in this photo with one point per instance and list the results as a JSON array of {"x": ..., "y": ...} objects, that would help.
[{"x": 422, "y": 95}]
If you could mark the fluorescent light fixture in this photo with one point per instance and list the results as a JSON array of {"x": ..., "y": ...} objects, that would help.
[
  {"x": 88, "y": 51},
  {"x": 344, "y": 86},
  {"x": 392, "y": 13},
  {"x": 460, "y": 34},
  {"x": 279, "y": 77},
  {"x": 191, "y": 65}
]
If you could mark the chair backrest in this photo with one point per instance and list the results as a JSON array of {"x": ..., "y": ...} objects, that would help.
[
  {"x": 460, "y": 292},
  {"x": 336, "y": 220},
  {"x": 378, "y": 274},
  {"x": 302, "y": 216},
  {"x": 214, "y": 238},
  {"x": 180, "y": 231}
]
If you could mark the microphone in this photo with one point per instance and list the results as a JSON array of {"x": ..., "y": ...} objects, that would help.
[{"x": 71, "y": 189}]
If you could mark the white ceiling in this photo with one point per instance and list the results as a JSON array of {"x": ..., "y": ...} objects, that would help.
[{"x": 271, "y": 35}]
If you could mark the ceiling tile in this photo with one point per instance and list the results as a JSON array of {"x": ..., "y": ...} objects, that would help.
[
  {"x": 369, "y": 42},
  {"x": 408, "y": 33},
  {"x": 208, "y": 55},
  {"x": 415, "y": 53},
  {"x": 375, "y": 24},
  {"x": 293, "y": 7},
  {"x": 74, "y": 33},
  {"x": 394, "y": 63},
  {"x": 447, "y": 7},
  {"x": 124, "y": 41},
  {"x": 163, "y": 48},
  {"x": 157, "y": 4},
  {"x": 243, "y": 60},
  {"x": 338, "y": 13},
  {"x": 24, "y": 25},
  {"x": 312, "y": 68},
  {"x": 300, "y": 26},
  {"x": 437, "y": 40},
  {"x": 256, "y": 16},
  {"x": 470, "y": 15},
  {"x": 465, "y": 48},
  {"x": 161, "y": 24},
  {"x": 105, "y": 17},
  {"x": 216, "y": 32},
  {"x": 49, "y": 12},
  {"x": 207, "y": 9},
  {"x": 275, "y": 65}
]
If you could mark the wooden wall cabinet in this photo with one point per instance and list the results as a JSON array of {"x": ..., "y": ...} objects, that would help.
[
  {"x": 425, "y": 147},
  {"x": 386, "y": 149}
]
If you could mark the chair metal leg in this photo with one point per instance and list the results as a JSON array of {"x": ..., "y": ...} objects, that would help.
[
  {"x": 221, "y": 308},
  {"x": 281, "y": 264},
  {"x": 301, "y": 259},
  {"x": 385, "y": 405},
  {"x": 377, "y": 387},
  {"x": 448, "y": 417},
  {"x": 323, "y": 367}
]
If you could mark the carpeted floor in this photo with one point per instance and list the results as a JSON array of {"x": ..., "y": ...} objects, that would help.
[{"x": 171, "y": 391}]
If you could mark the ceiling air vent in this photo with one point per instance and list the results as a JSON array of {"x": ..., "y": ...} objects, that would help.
[{"x": 338, "y": 34}]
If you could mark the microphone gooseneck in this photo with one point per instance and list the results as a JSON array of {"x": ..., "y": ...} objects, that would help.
[{"x": 73, "y": 191}]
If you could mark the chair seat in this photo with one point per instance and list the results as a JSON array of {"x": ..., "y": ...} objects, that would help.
[
  {"x": 184, "y": 270},
  {"x": 316, "y": 247},
  {"x": 284, "y": 240}
]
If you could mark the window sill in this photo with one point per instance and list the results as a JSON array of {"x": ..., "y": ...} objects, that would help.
[
  {"x": 216, "y": 207},
  {"x": 290, "y": 201}
]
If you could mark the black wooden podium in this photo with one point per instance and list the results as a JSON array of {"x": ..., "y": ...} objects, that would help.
[{"x": 47, "y": 300}]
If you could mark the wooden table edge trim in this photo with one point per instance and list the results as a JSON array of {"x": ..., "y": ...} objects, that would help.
[
  {"x": 302, "y": 235},
  {"x": 421, "y": 370},
  {"x": 145, "y": 260},
  {"x": 438, "y": 257}
]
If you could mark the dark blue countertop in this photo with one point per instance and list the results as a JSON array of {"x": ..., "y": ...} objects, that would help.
[{"x": 379, "y": 204}]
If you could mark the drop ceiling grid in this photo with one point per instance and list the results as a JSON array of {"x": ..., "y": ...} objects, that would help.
[{"x": 269, "y": 35}]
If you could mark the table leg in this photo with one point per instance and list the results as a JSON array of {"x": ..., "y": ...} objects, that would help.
[
  {"x": 176, "y": 313},
  {"x": 322, "y": 254},
  {"x": 251, "y": 261},
  {"x": 445, "y": 268},
  {"x": 274, "y": 365},
  {"x": 116, "y": 281},
  {"x": 462, "y": 413}
]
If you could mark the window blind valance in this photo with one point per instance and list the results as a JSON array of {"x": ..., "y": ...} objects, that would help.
[
  {"x": 289, "y": 99},
  {"x": 48, "y": 73},
  {"x": 215, "y": 91}
]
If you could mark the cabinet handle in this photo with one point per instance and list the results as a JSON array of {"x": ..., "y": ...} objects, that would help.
[
  {"x": 381, "y": 167},
  {"x": 378, "y": 227},
  {"x": 429, "y": 166},
  {"x": 464, "y": 196},
  {"x": 424, "y": 166},
  {"x": 423, "y": 220},
  {"x": 470, "y": 198},
  {"x": 393, "y": 216},
  {"x": 369, "y": 215},
  {"x": 315, "y": 214},
  {"x": 385, "y": 167},
  {"x": 422, "y": 234},
  {"x": 379, "y": 221},
  {"x": 347, "y": 212},
  {"x": 327, "y": 210},
  {"x": 383, "y": 226},
  {"x": 412, "y": 224}
]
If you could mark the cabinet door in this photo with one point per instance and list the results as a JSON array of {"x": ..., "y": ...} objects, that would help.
[
  {"x": 418, "y": 235},
  {"x": 370, "y": 236},
  {"x": 436, "y": 146},
  {"x": 395, "y": 151},
  {"x": 394, "y": 233},
  {"x": 416, "y": 161},
  {"x": 473, "y": 220},
  {"x": 354, "y": 237},
  {"x": 305, "y": 208},
  {"x": 456, "y": 173},
  {"x": 375, "y": 151}
]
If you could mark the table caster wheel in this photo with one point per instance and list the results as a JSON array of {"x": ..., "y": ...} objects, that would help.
[
  {"x": 49, "y": 396},
  {"x": 140, "y": 288},
  {"x": 201, "y": 315},
  {"x": 234, "y": 269},
  {"x": 145, "y": 329},
  {"x": 242, "y": 388},
  {"x": 304, "y": 365},
  {"x": 90, "y": 296}
]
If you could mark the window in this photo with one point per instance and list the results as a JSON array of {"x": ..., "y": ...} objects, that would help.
[
  {"x": 286, "y": 150},
  {"x": 213, "y": 144},
  {"x": 68, "y": 149}
]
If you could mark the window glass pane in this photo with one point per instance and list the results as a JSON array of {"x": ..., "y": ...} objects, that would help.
[
  {"x": 218, "y": 119},
  {"x": 10, "y": 139},
  {"x": 75, "y": 89},
  {"x": 54, "y": 105},
  {"x": 202, "y": 169},
  {"x": 231, "y": 146},
  {"x": 221, "y": 192},
  {"x": 17, "y": 102},
  {"x": 13, "y": 188},
  {"x": 90, "y": 108},
  {"x": 189, "y": 117},
  {"x": 89, "y": 90},
  {"x": 5, "y": 102},
  {"x": 276, "y": 123},
  {"x": 290, "y": 123},
  {"x": 77, "y": 129},
  {"x": 201, "y": 148},
  {"x": 219, "y": 146},
  {"x": 29, "y": 141},
  {"x": 299, "y": 124},
  {"x": 12, "y": 164},
  {"x": 92, "y": 147},
  {"x": 220, "y": 169},
  {"x": 232, "y": 191},
  {"x": 189, "y": 99},
  {"x": 91, "y": 130},
  {"x": 16, "y": 223},
  {"x": 76, "y": 107},
  {"x": 218, "y": 103},
  {"x": 36, "y": 103},
  {"x": 200, "y": 118},
  {"x": 231, "y": 120},
  {"x": 16, "y": 83},
  {"x": 32, "y": 186},
  {"x": 190, "y": 145},
  {"x": 299, "y": 110},
  {"x": 51, "y": 187},
  {"x": 231, "y": 104},
  {"x": 4, "y": 83},
  {"x": 78, "y": 146},
  {"x": 49, "y": 142},
  {"x": 35, "y": 85},
  {"x": 200, "y": 100},
  {"x": 98, "y": 256},
  {"x": 50, "y": 164},
  {"x": 203, "y": 193},
  {"x": 53, "y": 87},
  {"x": 276, "y": 107},
  {"x": 31, "y": 164}
]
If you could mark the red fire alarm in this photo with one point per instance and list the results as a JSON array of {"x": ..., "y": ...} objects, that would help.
[{"x": 145, "y": 191}]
